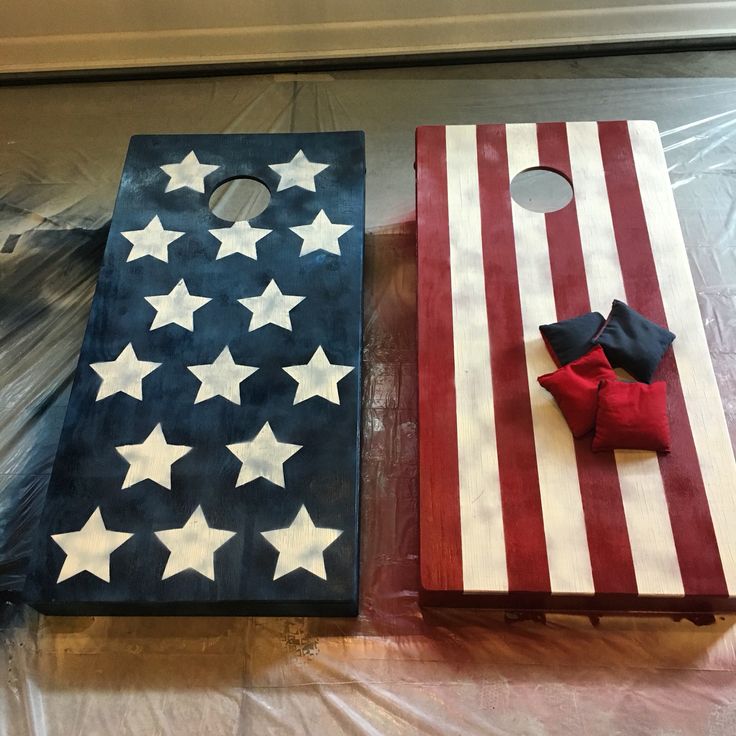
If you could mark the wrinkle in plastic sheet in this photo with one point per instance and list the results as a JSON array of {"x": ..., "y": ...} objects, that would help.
[{"x": 396, "y": 669}]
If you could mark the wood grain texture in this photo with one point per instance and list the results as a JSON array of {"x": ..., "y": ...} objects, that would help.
[
  {"x": 650, "y": 547},
  {"x": 484, "y": 549},
  {"x": 692, "y": 526},
  {"x": 526, "y": 557},
  {"x": 562, "y": 508},
  {"x": 439, "y": 515},
  {"x": 625, "y": 530},
  {"x": 699, "y": 387},
  {"x": 213, "y": 468},
  {"x": 600, "y": 490}
]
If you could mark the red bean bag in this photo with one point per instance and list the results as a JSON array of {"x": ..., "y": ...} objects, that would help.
[
  {"x": 632, "y": 416},
  {"x": 575, "y": 389}
]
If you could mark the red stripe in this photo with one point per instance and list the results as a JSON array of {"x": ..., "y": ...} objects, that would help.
[
  {"x": 605, "y": 521},
  {"x": 526, "y": 547},
  {"x": 692, "y": 526},
  {"x": 439, "y": 497}
]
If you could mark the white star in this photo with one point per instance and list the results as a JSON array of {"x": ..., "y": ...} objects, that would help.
[
  {"x": 319, "y": 377},
  {"x": 124, "y": 374},
  {"x": 301, "y": 544},
  {"x": 188, "y": 173},
  {"x": 271, "y": 308},
  {"x": 90, "y": 548},
  {"x": 263, "y": 457},
  {"x": 239, "y": 238},
  {"x": 299, "y": 172},
  {"x": 176, "y": 308},
  {"x": 153, "y": 240},
  {"x": 151, "y": 459},
  {"x": 221, "y": 378},
  {"x": 320, "y": 235},
  {"x": 193, "y": 546}
]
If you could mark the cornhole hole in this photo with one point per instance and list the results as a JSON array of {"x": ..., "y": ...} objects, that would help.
[
  {"x": 514, "y": 512},
  {"x": 208, "y": 463}
]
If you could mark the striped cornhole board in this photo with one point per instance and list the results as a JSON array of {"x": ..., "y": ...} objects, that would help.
[{"x": 510, "y": 504}]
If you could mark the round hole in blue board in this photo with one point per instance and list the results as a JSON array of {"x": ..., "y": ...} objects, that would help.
[
  {"x": 240, "y": 198},
  {"x": 540, "y": 189}
]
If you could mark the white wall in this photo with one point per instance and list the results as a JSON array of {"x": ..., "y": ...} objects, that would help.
[{"x": 45, "y": 35}]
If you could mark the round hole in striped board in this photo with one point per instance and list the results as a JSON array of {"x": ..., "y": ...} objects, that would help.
[
  {"x": 239, "y": 198},
  {"x": 540, "y": 189}
]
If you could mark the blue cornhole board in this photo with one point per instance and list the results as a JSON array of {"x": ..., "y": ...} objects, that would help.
[{"x": 209, "y": 460}]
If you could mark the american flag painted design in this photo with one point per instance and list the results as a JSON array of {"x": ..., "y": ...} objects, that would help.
[
  {"x": 209, "y": 457},
  {"x": 510, "y": 503}
]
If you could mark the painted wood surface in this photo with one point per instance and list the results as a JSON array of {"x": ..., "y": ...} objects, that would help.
[
  {"x": 210, "y": 454},
  {"x": 544, "y": 522}
]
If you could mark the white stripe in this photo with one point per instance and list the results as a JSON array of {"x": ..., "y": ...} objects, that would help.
[
  {"x": 699, "y": 386},
  {"x": 602, "y": 268},
  {"x": 562, "y": 509},
  {"x": 652, "y": 543},
  {"x": 645, "y": 505},
  {"x": 481, "y": 520}
]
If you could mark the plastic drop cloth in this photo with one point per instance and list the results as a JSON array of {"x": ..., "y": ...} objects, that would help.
[{"x": 396, "y": 669}]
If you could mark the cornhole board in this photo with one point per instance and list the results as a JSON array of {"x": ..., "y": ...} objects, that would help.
[
  {"x": 515, "y": 513},
  {"x": 209, "y": 460}
]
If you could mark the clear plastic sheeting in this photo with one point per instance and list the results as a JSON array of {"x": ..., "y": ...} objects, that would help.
[{"x": 396, "y": 669}]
